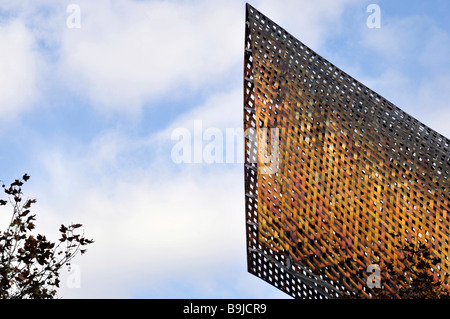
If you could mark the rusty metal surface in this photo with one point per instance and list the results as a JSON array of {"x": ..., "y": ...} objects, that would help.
[{"x": 356, "y": 176}]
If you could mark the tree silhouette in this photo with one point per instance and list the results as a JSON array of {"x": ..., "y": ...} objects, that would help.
[
  {"x": 413, "y": 276},
  {"x": 30, "y": 264}
]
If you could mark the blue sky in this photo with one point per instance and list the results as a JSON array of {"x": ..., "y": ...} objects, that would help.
[{"x": 88, "y": 112}]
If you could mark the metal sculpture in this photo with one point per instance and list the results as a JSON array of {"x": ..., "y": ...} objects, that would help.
[{"x": 355, "y": 177}]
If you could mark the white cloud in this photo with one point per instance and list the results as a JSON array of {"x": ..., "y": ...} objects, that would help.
[
  {"x": 426, "y": 100},
  {"x": 412, "y": 67},
  {"x": 436, "y": 50},
  {"x": 154, "y": 224},
  {"x": 431, "y": 103},
  {"x": 308, "y": 21},
  {"x": 158, "y": 232},
  {"x": 409, "y": 39},
  {"x": 18, "y": 69},
  {"x": 128, "y": 52},
  {"x": 221, "y": 110},
  {"x": 147, "y": 225}
]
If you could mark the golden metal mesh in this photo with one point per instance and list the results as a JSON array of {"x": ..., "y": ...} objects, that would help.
[{"x": 356, "y": 176}]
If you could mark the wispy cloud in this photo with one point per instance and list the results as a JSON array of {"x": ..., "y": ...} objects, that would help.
[
  {"x": 19, "y": 64},
  {"x": 311, "y": 22},
  {"x": 126, "y": 53},
  {"x": 412, "y": 53},
  {"x": 147, "y": 223}
]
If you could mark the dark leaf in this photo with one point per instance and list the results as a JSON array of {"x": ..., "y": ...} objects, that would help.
[{"x": 63, "y": 229}]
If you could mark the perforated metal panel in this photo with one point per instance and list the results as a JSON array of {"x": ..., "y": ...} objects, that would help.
[{"x": 356, "y": 177}]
